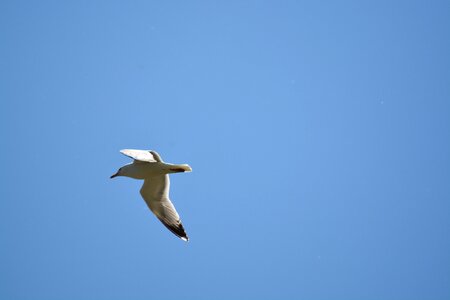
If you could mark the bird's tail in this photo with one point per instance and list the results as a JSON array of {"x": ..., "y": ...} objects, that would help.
[{"x": 181, "y": 168}]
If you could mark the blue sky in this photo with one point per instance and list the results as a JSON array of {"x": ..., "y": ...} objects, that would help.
[{"x": 318, "y": 133}]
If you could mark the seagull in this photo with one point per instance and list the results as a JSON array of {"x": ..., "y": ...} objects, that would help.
[{"x": 148, "y": 165}]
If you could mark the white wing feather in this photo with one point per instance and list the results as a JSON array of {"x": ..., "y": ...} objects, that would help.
[
  {"x": 155, "y": 192},
  {"x": 142, "y": 155}
]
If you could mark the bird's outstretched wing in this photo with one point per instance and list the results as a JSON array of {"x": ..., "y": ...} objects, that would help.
[
  {"x": 155, "y": 192},
  {"x": 142, "y": 155}
]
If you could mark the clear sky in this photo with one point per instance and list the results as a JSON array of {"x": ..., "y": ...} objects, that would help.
[{"x": 318, "y": 133}]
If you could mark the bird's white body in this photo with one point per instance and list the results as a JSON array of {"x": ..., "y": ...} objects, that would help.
[
  {"x": 148, "y": 165},
  {"x": 148, "y": 170}
]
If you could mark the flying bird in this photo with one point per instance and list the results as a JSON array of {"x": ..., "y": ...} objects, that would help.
[{"x": 149, "y": 166}]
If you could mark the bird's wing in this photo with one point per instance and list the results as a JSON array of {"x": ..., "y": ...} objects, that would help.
[
  {"x": 155, "y": 192},
  {"x": 142, "y": 155}
]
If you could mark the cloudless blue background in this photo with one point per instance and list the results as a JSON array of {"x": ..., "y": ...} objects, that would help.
[{"x": 318, "y": 133}]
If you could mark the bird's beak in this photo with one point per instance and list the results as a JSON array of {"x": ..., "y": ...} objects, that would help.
[{"x": 114, "y": 175}]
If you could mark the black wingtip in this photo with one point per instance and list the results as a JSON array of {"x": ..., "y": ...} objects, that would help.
[{"x": 178, "y": 231}]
